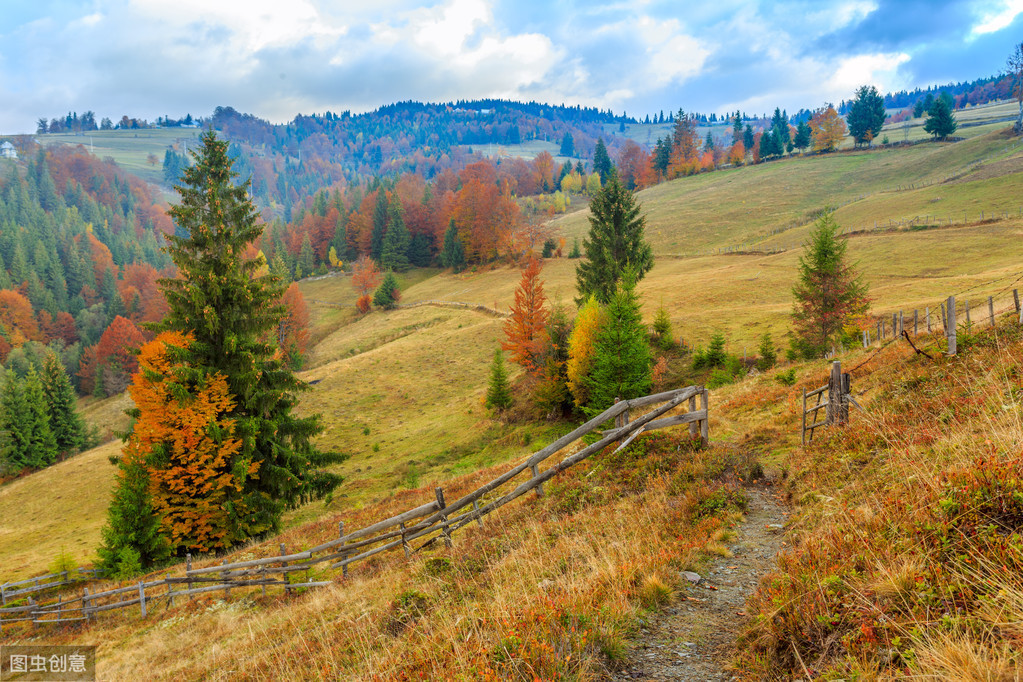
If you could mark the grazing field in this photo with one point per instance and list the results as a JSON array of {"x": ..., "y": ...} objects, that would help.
[{"x": 130, "y": 148}]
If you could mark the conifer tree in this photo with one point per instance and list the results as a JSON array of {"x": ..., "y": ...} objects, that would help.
[
  {"x": 395, "y": 249},
  {"x": 133, "y": 535},
  {"x": 621, "y": 363},
  {"x": 388, "y": 293},
  {"x": 230, "y": 315},
  {"x": 941, "y": 122},
  {"x": 420, "y": 251},
  {"x": 615, "y": 243},
  {"x": 829, "y": 292},
  {"x": 601, "y": 161},
  {"x": 768, "y": 353},
  {"x": 453, "y": 255},
  {"x": 376, "y": 244},
  {"x": 65, "y": 423},
  {"x": 499, "y": 395},
  {"x": 306, "y": 257}
]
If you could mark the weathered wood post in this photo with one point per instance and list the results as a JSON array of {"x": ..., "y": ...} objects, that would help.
[
  {"x": 879, "y": 330},
  {"x": 902, "y": 325},
  {"x": 444, "y": 517},
  {"x": 991, "y": 309},
  {"x": 864, "y": 338},
  {"x": 404, "y": 543},
  {"x": 950, "y": 328},
  {"x": 944, "y": 319},
  {"x": 895, "y": 325},
  {"x": 916, "y": 322},
  {"x": 1015, "y": 298},
  {"x": 284, "y": 574},
  {"x": 966, "y": 305},
  {"x": 844, "y": 412},
  {"x": 834, "y": 393},
  {"x": 705, "y": 424},
  {"x": 694, "y": 428},
  {"x": 188, "y": 571},
  {"x": 804, "y": 416},
  {"x": 227, "y": 584},
  {"x": 142, "y": 598},
  {"x": 341, "y": 534},
  {"x": 476, "y": 508},
  {"x": 927, "y": 314}
]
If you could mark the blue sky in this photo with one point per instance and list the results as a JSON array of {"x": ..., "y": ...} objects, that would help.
[{"x": 276, "y": 58}]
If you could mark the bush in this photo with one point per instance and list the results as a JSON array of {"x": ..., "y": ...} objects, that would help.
[
  {"x": 364, "y": 303},
  {"x": 548, "y": 248},
  {"x": 786, "y": 378}
]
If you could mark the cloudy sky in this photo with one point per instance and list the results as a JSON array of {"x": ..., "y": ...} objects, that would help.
[{"x": 277, "y": 58}]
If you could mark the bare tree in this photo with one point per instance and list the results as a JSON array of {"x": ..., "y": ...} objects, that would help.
[{"x": 1014, "y": 66}]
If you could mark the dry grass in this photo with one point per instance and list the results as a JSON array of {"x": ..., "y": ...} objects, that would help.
[
  {"x": 548, "y": 588},
  {"x": 59, "y": 509}
]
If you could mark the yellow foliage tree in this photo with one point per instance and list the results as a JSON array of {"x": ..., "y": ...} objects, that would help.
[
  {"x": 828, "y": 129},
  {"x": 582, "y": 349}
]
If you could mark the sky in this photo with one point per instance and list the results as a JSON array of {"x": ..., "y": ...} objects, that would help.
[{"x": 279, "y": 58}]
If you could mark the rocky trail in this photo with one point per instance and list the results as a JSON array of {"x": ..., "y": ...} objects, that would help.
[{"x": 693, "y": 639}]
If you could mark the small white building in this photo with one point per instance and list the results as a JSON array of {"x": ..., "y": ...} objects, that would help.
[{"x": 8, "y": 151}]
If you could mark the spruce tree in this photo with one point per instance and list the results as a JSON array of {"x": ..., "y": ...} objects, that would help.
[
  {"x": 866, "y": 115},
  {"x": 420, "y": 251},
  {"x": 376, "y": 243},
  {"x": 395, "y": 249},
  {"x": 499, "y": 395},
  {"x": 230, "y": 314},
  {"x": 388, "y": 293},
  {"x": 65, "y": 422},
  {"x": 621, "y": 364},
  {"x": 453, "y": 255},
  {"x": 306, "y": 257},
  {"x": 132, "y": 534},
  {"x": 941, "y": 122},
  {"x": 615, "y": 243},
  {"x": 829, "y": 292},
  {"x": 601, "y": 161}
]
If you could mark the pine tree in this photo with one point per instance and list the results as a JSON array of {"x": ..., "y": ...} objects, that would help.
[
  {"x": 941, "y": 122},
  {"x": 615, "y": 243},
  {"x": 768, "y": 353},
  {"x": 388, "y": 293},
  {"x": 802, "y": 139},
  {"x": 621, "y": 364},
  {"x": 567, "y": 146},
  {"x": 395, "y": 249},
  {"x": 67, "y": 426},
  {"x": 306, "y": 257},
  {"x": 601, "y": 161},
  {"x": 453, "y": 255},
  {"x": 662, "y": 328},
  {"x": 420, "y": 251},
  {"x": 866, "y": 115},
  {"x": 829, "y": 293},
  {"x": 230, "y": 315},
  {"x": 499, "y": 395}
]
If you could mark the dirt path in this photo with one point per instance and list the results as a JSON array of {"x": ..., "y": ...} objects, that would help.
[{"x": 693, "y": 639}]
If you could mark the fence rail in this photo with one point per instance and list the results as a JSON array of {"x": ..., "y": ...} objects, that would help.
[{"x": 423, "y": 525}]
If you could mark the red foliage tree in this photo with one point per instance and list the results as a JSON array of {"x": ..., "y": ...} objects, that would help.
[
  {"x": 365, "y": 275},
  {"x": 17, "y": 319},
  {"x": 525, "y": 328},
  {"x": 293, "y": 329}
]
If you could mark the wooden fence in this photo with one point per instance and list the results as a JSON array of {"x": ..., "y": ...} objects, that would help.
[
  {"x": 410, "y": 531},
  {"x": 835, "y": 404}
]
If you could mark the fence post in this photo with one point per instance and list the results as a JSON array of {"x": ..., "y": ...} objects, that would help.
[
  {"x": 844, "y": 413},
  {"x": 804, "y": 416},
  {"x": 705, "y": 424},
  {"x": 834, "y": 393},
  {"x": 902, "y": 326},
  {"x": 341, "y": 534},
  {"x": 142, "y": 598},
  {"x": 404, "y": 544},
  {"x": 227, "y": 587},
  {"x": 927, "y": 314},
  {"x": 864, "y": 338},
  {"x": 966, "y": 305},
  {"x": 895, "y": 325},
  {"x": 880, "y": 326},
  {"x": 991, "y": 309},
  {"x": 916, "y": 322},
  {"x": 170, "y": 590},
  {"x": 950, "y": 329},
  {"x": 444, "y": 518},
  {"x": 1015, "y": 298},
  {"x": 944, "y": 319},
  {"x": 476, "y": 508},
  {"x": 284, "y": 574},
  {"x": 85, "y": 604},
  {"x": 188, "y": 570},
  {"x": 535, "y": 470},
  {"x": 694, "y": 428}
]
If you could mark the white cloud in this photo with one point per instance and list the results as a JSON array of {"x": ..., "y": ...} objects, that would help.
[
  {"x": 868, "y": 69},
  {"x": 998, "y": 18}
]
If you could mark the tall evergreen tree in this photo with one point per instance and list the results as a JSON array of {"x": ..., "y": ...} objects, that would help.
[
  {"x": 306, "y": 257},
  {"x": 567, "y": 146},
  {"x": 866, "y": 115},
  {"x": 499, "y": 395},
  {"x": 133, "y": 536},
  {"x": 829, "y": 292},
  {"x": 941, "y": 122},
  {"x": 802, "y": 139},
  {"x": 28, "y": 441},
  {"x": 601, "y": 161},
  {"x": 388, "y": 293},
  {"x": 747, "y": 137},
  {"x": 229, "y": 312},
  {"x": 615, "y": 243},
  {"x": 453, "y": 254},
  {"x": 67, "y": 426},
  {"x": 621, "y": 363},
  {"x": 376, "y": 242},
  {"x": 395, "y": 250}
]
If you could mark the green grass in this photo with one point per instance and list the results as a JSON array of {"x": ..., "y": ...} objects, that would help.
[{"x": 130, "y": 148}]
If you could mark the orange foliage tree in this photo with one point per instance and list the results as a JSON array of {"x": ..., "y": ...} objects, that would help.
[
  {"x": 525, "y": 328},
  {"x": 293, "y": 329},
  {"x": 183, "y": 439},
  {"x": 828, "y": 129},
  {"x": 17, "y": 319},
  {"x": 365, "y": 278}
]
